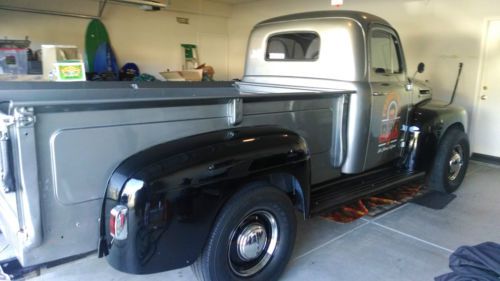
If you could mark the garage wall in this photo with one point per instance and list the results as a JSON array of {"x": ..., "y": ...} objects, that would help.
[
  {"x": 440, "y": 33},
  {"x": 152, "y": 39}
]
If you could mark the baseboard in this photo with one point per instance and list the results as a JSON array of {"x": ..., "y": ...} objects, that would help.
[{"x": 485, "y": 158}]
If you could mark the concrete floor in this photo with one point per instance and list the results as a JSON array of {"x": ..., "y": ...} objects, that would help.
[{"x": 411, "y": 242}]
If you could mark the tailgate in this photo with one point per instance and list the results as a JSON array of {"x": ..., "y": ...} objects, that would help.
[
  {"x": 19, "y": 196},
  {"x": 9, "y": 222}
]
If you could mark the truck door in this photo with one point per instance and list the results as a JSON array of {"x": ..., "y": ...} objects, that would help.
[{"x": 390, "y": 99}]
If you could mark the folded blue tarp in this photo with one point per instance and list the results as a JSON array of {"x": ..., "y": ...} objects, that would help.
[{"x": 477, "y": 263}]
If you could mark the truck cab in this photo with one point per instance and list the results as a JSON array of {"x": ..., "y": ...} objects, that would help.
[{"x": 328, "y": 51}]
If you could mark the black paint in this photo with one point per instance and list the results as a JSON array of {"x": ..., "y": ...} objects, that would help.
[
  {"x": 434, "y": 119},
  {"x": 186, "y": 182}
]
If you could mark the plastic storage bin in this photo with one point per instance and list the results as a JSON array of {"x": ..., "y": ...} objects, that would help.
[{"x": 13, "y": 61}]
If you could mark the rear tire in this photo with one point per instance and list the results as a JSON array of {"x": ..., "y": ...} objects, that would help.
[
  {"x": 451, "y": 162},
  {"x": 252, "y": 238}
]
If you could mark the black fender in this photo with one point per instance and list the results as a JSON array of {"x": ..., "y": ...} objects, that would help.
[
  {"x": 433, "y": 119},
  {"x": 175, "y": 190}
]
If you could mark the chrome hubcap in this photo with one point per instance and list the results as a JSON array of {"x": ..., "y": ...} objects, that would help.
[
  {"x": 456, "y": 162},
  {"x": 252, "y": 243}
]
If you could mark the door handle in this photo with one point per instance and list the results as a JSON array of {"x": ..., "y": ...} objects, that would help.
[
  {"x": 424, "y": 93},
  {"x": 379, "y": 94},
  {"x": 484, "y": 97}
]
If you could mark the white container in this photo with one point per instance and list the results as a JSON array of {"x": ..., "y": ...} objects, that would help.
[{"x": 55, "y": 56}]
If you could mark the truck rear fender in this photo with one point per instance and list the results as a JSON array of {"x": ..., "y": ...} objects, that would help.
[
  {"x": 434, "y": 119},
  {"x": 174, "y": 191}
]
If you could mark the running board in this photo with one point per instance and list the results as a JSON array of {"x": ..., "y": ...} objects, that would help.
[{"x": 329, "y": 195}]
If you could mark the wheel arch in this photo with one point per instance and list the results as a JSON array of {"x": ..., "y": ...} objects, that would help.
[
  {"x": 288, "y": 182},
  {"x": 457, "y": 125},
  {"x": 434, "y": 119},
  {"x": 175, "y": 190}
]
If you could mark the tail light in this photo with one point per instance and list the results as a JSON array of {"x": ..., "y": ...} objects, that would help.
[{"x": 118, "y": 226}]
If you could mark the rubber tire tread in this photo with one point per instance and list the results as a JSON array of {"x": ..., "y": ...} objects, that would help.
[
  {"x": 438, "y": 178},
  {"x": 209, "y": 268}
]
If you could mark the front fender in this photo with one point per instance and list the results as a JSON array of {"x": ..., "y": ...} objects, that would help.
[
  {"x": 434, "y": 118},
  {"x": 174, "y": 191}
]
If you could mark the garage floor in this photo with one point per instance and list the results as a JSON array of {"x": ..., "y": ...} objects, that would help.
[{"x": 411, "y": 242}]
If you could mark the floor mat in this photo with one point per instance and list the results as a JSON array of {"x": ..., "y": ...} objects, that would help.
[
  {"x": 435, "y": 200},
  {"x": 376, "y": 205}
]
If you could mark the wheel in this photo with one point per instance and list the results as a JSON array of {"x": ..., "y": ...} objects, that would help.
[
  {"x": 252, "y": 238},
  {"x": 450, "y": 164}
]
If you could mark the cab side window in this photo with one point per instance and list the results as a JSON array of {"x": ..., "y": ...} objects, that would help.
[{"x": 385, "y": 54}]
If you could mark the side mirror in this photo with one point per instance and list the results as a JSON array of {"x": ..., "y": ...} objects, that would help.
[{"x": 421, "y": 67}]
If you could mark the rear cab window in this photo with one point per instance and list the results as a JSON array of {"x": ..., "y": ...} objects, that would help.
[{"x": 296, "y": 46}]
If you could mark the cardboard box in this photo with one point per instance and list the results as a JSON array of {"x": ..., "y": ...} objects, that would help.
[
  {"x": 172, "y": 76},
  {"x": 62, "y": 63},
  {"x": 194, "y": 75},
  {"x": 68, "y": 71}
]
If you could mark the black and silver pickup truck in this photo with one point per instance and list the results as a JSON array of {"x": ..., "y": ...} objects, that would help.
[{"x": 158, "y": 176}]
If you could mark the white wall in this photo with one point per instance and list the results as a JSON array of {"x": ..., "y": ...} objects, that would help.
[
  {"x": 151, "y": 39},
  {"x": 440, "y": 33}
]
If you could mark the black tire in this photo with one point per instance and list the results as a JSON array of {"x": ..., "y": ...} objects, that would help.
[
  {"x": 222, "y": 259},
  {"x": 452, "y": 153}
]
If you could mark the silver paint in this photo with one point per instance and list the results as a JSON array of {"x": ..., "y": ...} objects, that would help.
[{"x": 64, "y": 163}]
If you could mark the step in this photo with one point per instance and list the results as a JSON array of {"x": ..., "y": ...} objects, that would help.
[{"x": 346, "y": 189}]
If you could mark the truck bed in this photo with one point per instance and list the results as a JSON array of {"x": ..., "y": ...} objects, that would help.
[{"x": 82, "y": 131}]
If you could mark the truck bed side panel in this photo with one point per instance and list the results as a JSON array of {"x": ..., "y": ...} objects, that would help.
[{"x": 79, "y": 145}]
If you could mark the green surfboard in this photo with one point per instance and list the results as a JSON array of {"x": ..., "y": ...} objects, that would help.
[{"x": 95, "y": 36}]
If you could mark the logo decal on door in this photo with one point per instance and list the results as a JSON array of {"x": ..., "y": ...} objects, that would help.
[{"x": 389, "y": 130}]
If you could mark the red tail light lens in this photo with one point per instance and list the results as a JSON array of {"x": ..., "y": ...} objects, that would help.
[{"x": 118, "y": 222}]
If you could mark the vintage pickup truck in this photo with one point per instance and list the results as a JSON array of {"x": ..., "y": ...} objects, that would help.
[{"x": 158, "y": 176}]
